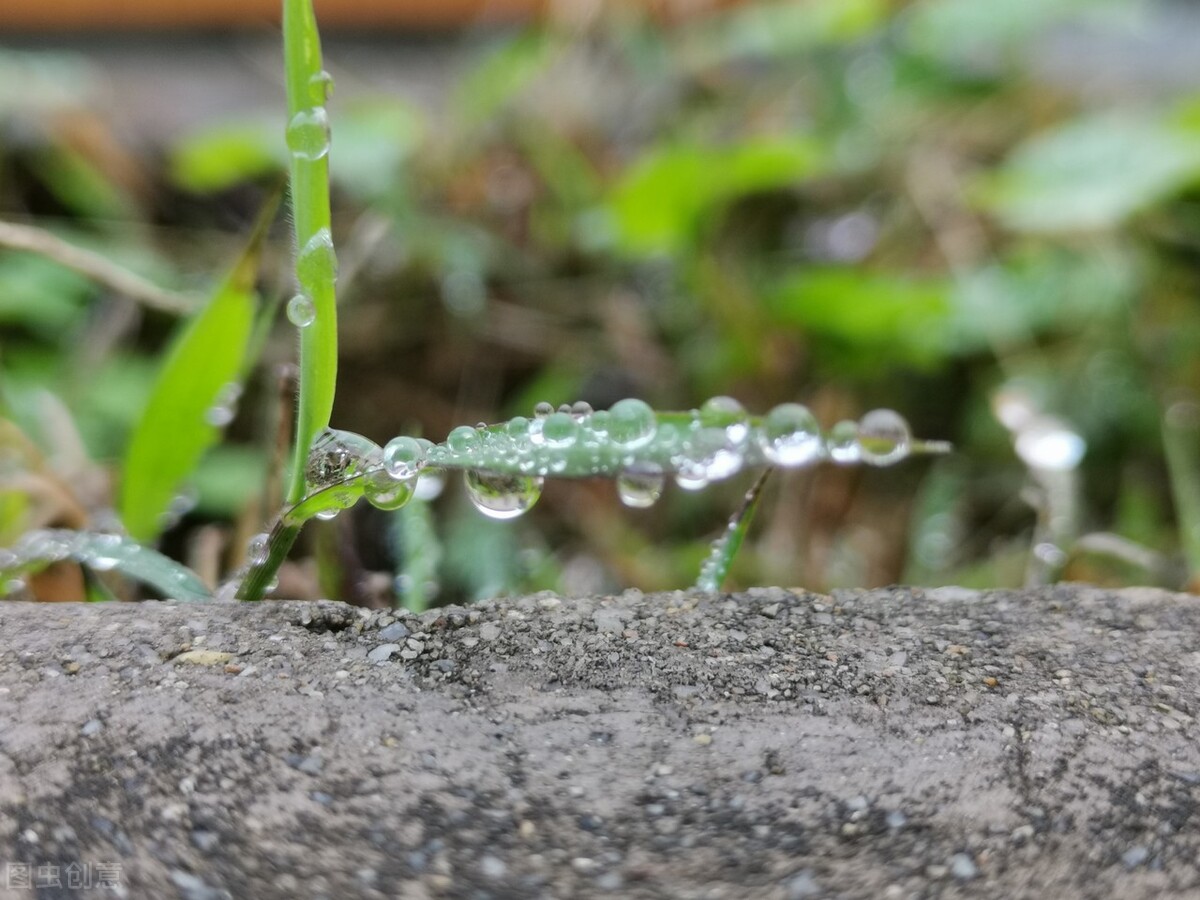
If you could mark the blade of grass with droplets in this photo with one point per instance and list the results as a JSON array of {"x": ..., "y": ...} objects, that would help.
[
  {"x": 192, "y": 395},
  {"x": 716, "y": 567},
  {"x": 102, "y": 553},
  {"x": 316, "y": 267},
  {"x": 419, "y": 553}
]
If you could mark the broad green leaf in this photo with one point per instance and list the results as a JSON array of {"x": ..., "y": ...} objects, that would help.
[
  {"x": 1092, "y": 173},
  {"x": 660, "y": 203},
  {"x": 102, "y": 552},
  {"x": 177, "y": 425}
]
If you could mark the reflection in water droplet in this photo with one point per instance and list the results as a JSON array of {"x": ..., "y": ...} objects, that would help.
[
  {"x": 631, "y": 423},
  {"x": 640, "y": 487},
  {"x": 543, "y": 409},
  {"x": 790, "y": 436},
  {"x": 581, "y": 409},
  {"x": 339, "y": 455},
  {"x": 560, "y": 430},
  {"x": 883, "y": 437},
  {"x": 502, "y": 496},
  {"x": 842, "y": 443},
  {"x": 384, "y": 492},
  {"x": 308, "y": 134},
  {"x": 300, "y": 311},
  {"x": 692, "y": 475},
  {"x": 404, "y": 458}
]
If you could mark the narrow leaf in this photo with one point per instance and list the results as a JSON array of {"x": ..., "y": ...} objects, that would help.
[
  {"x": 720, "y": 557},
  {"x": 190, "y": 399},
  {"x": 102, "y": 553}
]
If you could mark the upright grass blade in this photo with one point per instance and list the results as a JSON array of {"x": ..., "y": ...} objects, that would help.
[
  {"x": 102, "y": 553},
  {"x": 191, "y": 399},
  {"x": 316, "y": 266},
  {"x": 1181, "y": 440}
]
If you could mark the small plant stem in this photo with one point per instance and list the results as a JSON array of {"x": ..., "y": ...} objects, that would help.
[
  {"x": 308, "y": 138},
  {"x": 306, "y": 91}
]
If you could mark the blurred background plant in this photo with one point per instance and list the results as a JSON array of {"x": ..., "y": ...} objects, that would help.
[{"x": 985, "y": 215}]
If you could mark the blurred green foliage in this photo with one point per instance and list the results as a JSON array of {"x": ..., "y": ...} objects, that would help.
[{"x": 848, "y": 204}]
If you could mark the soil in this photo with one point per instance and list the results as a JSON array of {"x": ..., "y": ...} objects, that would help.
[{"x": 773, "y": 744}]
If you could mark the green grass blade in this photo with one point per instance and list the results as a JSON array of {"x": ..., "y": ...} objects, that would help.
[
  {"x": 720, "y": 557},
  {"x": 102, "y": 553},
  {"x": 179, "y": 424}
]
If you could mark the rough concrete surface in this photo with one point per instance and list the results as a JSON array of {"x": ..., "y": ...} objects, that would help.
[{"x": 774, "y": 744}]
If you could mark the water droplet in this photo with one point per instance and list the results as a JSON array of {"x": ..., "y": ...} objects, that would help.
[
  {"x": 883, "y": 437},
  {"x": 102, "y": 552},
  {"x": 581, "y": 409},
  {"x": 500, "y": 495},
  {"x": 385, "y": 492},
  {"x": 316, "y": 264},
  {"x": 329, "y": 513},
  {"x": 842, "y": 443},
  {"x": 599, "y": 422},
  {"x": 322, "y": 83},
  {"x": 632, "y": 423},
  {"x": 640, "y": 487},
  {"x": 692, "y": 475},
  {"x": 560, "y": 430},
  {"x": 339, "y": 455},
  {"x": 463, "y": 439},
  {"x": 256, "y": 549},
  {"x": 404, "y": 458},
  {"x": 300, "y": 311},
  {"x": 725, "y": 413},
  {"x": 224, "y": 407},
  {"x": 790, "y": 436},
  {"x": 543, "y": 409},
  {"x": 308, "y": 134},
  {"x": 430, "y": 484}
]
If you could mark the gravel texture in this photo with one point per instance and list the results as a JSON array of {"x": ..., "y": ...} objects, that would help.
[{"x": 886, "y": 744}]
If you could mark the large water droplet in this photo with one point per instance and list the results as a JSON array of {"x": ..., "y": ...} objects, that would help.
[
  {"x": 404, "y": 458},
  {"x": 641, "y": 486},
  {"x": 339, "y": 455},
  {"x": 883, "y": 437},
  {"x": 790, "y": 436},
  {"x": 308, "y": 134},
  {"x": 631, "y": 423},
  {"x": 499, "y": 495},
  {"x": 316, "y": 264},
  {"x": 842, "y": 443},
  {"x": 300, "y": 311},
  {"x": 384, "y": 492},
  {"x": 560, "y": 430}
]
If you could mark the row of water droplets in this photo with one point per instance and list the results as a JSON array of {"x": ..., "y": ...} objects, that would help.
[
  {"x": 505, "y": 465},
  {"x": 308, "y": 139}
]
